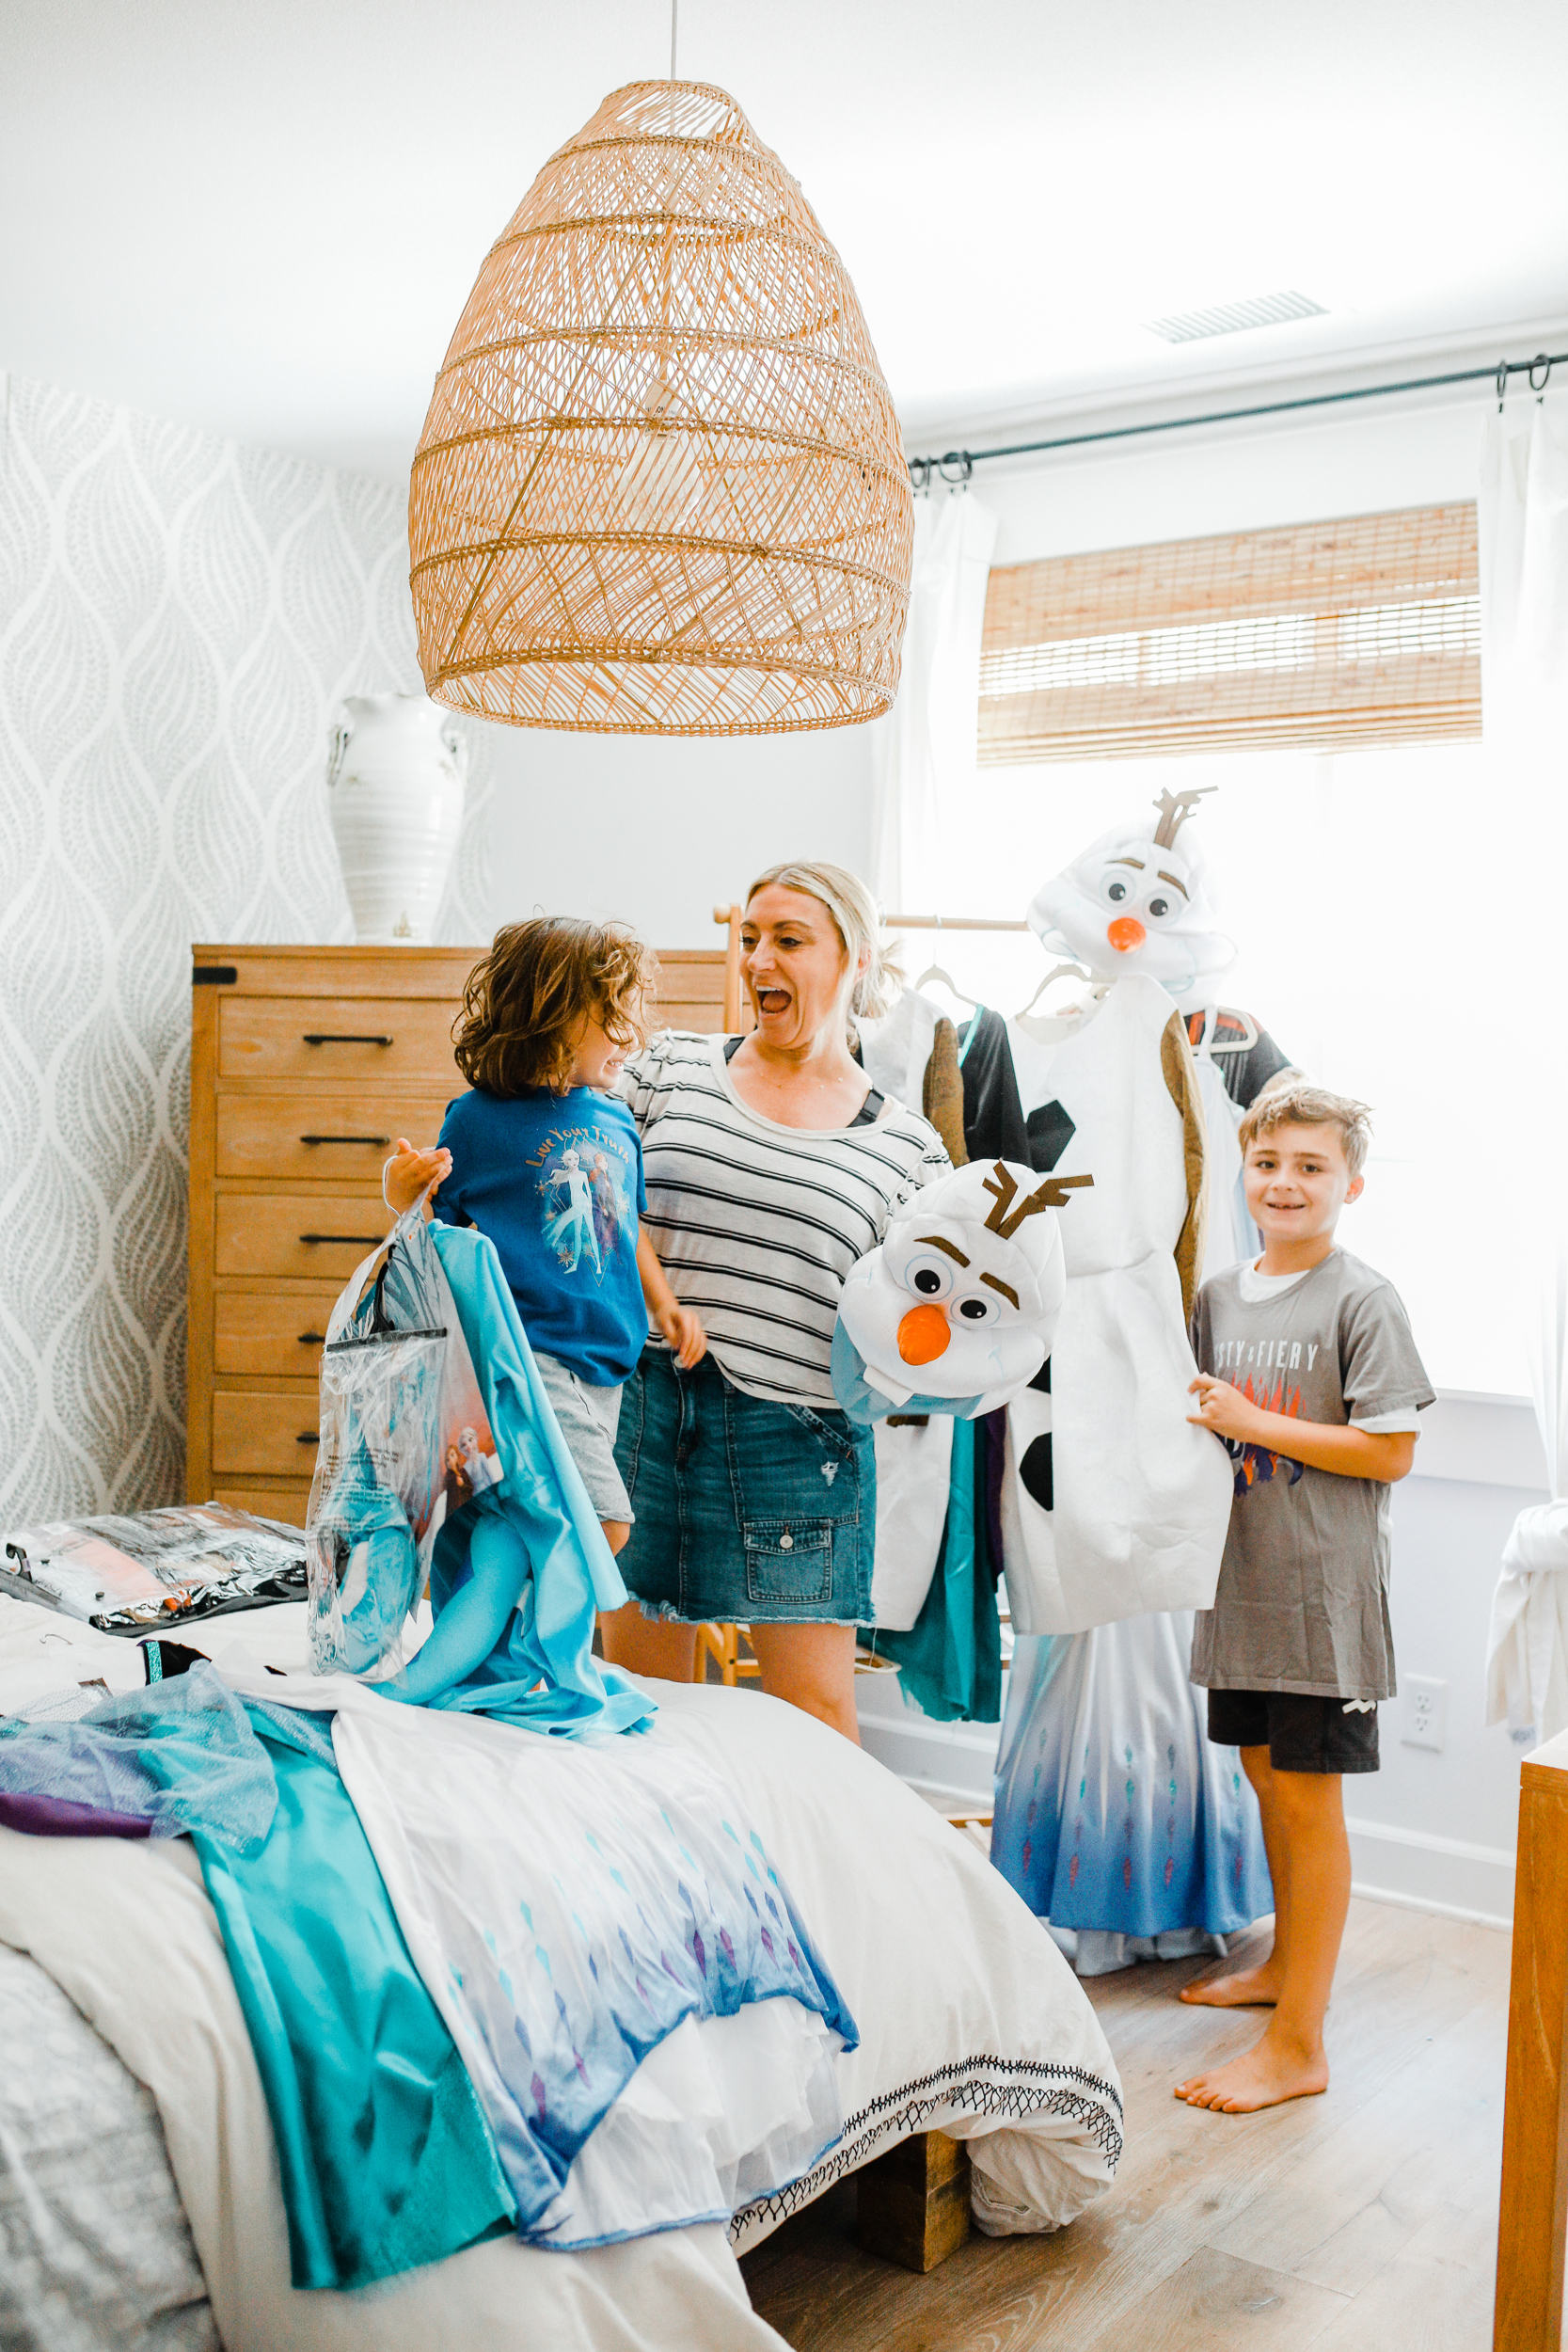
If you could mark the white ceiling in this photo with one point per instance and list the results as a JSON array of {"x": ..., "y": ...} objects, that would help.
[{"x": 266, "y": 218}]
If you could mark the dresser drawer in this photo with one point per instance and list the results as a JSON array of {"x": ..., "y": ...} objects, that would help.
[
  {"x": 270, "y": 1437},
  {"x": 322, "y": 1134},
  {"x": 348, "y": 1041},
  {"x": 324, "y": 1234},
  {"x": 274, "y": 1500},
  {"x": 272, "y": 1332}
]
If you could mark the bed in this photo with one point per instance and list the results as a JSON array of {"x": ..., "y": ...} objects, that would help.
[{"x": 970, "y": 2022}]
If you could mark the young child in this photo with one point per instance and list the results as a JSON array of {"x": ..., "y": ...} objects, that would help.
[
  {"x": 1310, "y": 1375},
  {"x": 544, "y": 1158}
]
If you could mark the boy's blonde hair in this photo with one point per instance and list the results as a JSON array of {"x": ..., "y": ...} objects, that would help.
[
  {"x": 878, "y": 989},
  {"x": 1296, "y": 1104}
]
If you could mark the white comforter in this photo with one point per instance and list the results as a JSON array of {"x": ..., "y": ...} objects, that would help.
[{"x": 970, "y": 2021}]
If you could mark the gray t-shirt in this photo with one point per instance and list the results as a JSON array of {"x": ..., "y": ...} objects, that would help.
[{"x": 1303, "y": 1595}]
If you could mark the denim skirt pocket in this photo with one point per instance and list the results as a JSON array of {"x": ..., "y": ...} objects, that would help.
[{"x": 788, "y": 1560}]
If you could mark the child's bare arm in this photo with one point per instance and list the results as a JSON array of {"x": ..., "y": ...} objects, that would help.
[
  {"x": 675, "y": 1322},
  {"x": 1384, "y": 1455},
  {"x": 410, "y": 1172}
]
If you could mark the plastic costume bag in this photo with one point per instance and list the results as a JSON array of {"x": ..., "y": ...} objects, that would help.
[
  {"x": 128, "y": 1572},
  {"x": 404, "y": 1441}
]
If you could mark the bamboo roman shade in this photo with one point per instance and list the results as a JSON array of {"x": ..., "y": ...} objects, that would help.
[{"x": 1328, "y": 636}]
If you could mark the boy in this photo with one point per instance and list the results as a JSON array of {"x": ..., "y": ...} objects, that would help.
[{"x": 1309, "y": 1375}]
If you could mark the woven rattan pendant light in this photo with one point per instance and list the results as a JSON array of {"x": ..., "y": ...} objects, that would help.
[{"x": 660, "y": 487}]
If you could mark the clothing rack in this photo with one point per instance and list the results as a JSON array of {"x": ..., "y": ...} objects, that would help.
[
  {"x": 728, "y": 917},
  {"x": 957, "y": 464}
]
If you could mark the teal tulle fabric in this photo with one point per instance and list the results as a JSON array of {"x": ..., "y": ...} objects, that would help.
[
  {"x": 950, "y": 1661},
  {"x": 180, "y": 1755},
  {"x": 518, "y": 1573},
  {"x": 385, "y": 2157}
]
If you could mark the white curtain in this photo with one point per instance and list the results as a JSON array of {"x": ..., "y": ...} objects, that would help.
[
  {"x": 1524, "y": 605},
  {"x": 925, "y": 754}
]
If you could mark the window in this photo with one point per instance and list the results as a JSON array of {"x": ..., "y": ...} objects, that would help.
[{"x": 1330, "y": 636}]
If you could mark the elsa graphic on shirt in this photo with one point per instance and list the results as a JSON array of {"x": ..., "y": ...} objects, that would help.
[
  {"x": 569, "y": 1192},
  {"x": 609, "y": 1204}
]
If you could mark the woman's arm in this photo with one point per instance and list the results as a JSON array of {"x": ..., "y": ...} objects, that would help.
[
  {"x": 674, "y": 1321},
  {"x": 1384, "y": 1455}
]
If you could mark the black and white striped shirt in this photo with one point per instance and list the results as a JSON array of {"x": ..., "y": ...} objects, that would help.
[{"x": 757, "y": 1224}]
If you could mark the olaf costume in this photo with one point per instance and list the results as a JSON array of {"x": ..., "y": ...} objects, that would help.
[{"x": 1114, "y": 1818}]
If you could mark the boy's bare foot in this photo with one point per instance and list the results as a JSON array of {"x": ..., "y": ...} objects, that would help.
[
  {"x": 1265, "y": 2076},
  {"x": 1243, "y": 1988}
]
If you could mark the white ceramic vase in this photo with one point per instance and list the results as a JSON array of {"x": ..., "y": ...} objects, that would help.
[{"x": 394, "y": 793}]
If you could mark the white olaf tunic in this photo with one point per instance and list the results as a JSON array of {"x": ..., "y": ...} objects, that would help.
[{"x": 1140, "y": 1499}]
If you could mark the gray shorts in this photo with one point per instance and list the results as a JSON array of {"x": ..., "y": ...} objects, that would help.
[{"x": 589, "y": 1419}]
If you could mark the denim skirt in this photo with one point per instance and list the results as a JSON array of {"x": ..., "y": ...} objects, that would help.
[{"x": 745, "y": 1510}]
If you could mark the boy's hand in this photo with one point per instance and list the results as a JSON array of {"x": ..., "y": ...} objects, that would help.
[
  {"x": 1222, "y": 1409},
  {"x": 683, "y": 1329},
  {"x": 410, "y": 1173}
]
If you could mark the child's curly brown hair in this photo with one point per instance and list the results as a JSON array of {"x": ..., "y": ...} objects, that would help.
[{"x": 525, "y": 1002}]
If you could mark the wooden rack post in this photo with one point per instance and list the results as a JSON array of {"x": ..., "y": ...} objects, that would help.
[{"x": 1532, "y": 2240}]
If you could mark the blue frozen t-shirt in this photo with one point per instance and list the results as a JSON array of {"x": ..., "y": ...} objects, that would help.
[{"x": 556, "y": 1182}]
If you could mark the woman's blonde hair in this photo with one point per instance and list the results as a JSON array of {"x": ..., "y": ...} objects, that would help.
[{"x": 856, "y": 919}]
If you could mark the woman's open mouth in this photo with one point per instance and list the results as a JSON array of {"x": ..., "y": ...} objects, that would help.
[{"x": 772, "y": 1000}]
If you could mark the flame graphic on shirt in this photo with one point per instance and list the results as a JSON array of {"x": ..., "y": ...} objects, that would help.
[{"x": 1255, "y": 1463}]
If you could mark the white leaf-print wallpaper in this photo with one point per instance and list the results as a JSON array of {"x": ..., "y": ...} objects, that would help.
[{"x": 180, "y": 618}]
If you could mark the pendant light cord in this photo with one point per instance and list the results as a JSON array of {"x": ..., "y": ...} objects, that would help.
[{"x": 674, "y": 6}]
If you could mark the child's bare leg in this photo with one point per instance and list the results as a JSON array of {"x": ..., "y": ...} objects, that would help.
[
  {"x": 1290, "y": 2061},
  {"x": 1244, "y": 1988},
  {"x": 660, "y": 1647}
]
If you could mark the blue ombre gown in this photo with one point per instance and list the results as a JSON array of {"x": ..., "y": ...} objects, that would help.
[{"x": 1116, "y": 1819}]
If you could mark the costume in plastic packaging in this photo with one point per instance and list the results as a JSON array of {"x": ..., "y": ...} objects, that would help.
[
  {"x": 404, "y": 1443},
  {"x": 125, "y": 1573}
]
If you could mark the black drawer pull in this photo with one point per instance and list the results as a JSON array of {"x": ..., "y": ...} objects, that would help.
[
  {"x": 346, "y": 1037},
  {"x": 357, "y": 1241},
  {"x": 377, "y": 1139},
  {"x": 312, "y": 1339},
  {"x": 309, "y": 1437}
]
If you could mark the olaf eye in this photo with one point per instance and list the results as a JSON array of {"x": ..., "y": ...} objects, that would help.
[
  {"x": 1115, "y": 892},
  {"x": 926, "y": 1275},
  {"x": 1159, "y": 906},
  {"x": 973, "y": 1309}
]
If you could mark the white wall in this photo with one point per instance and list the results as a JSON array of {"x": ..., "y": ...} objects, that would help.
[{"x": 657, "y": 831}]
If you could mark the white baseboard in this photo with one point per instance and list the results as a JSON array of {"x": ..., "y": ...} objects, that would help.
[{"x": 1424, "y": 1872}]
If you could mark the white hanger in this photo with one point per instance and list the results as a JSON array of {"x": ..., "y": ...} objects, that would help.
[
  {"x": 935, "y": 972},
  {"x": 1057, "y": 972}
]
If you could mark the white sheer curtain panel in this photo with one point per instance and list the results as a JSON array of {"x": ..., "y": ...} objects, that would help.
[
  {"x": 926, "y": 749},
  {"x": 1524, "y": 611}
]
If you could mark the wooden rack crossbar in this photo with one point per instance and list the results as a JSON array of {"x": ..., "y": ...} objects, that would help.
[{"x": 729, "y": 918}]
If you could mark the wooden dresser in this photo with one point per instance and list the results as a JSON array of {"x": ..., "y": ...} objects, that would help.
[{"x": 305, "y": 1064}]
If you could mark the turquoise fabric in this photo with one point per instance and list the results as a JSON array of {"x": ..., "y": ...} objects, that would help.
[
  {"x": 950, "y": 1661},
  {"x": 385, "y": 2156},
  {"x": 518, "y": 1573}
]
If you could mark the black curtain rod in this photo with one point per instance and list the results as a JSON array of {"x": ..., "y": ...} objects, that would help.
[{"x": 924, "y": 470}]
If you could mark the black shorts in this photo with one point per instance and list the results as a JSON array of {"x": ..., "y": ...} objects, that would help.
[{"x": 1302, "y": 1733}]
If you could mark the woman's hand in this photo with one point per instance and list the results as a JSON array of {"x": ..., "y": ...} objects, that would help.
[
  {"x": 684, "y": 1332},
  {"x": 410, "y": 1174},
  {"x": 1224, "y": 1410}
]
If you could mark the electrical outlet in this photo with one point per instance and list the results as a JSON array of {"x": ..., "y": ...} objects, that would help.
[{"x": 1426, "y": 1712}]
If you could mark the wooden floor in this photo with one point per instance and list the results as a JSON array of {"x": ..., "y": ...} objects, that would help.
[{"x": 1362, "y": 2221}]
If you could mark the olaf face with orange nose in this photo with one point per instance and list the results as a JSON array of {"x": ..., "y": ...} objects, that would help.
[
  {"x": 957, "y": 1307},
  {"x": 1135, "y": 902}
]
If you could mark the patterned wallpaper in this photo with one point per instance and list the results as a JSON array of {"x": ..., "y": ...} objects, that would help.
[{"x": 178, "y": 618}]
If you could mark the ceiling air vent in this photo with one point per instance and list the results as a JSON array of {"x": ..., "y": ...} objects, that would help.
[{"x": 1234, "y": 318}]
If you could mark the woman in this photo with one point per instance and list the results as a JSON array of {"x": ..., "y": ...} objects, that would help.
[{"x": 771, "y": 1167}]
